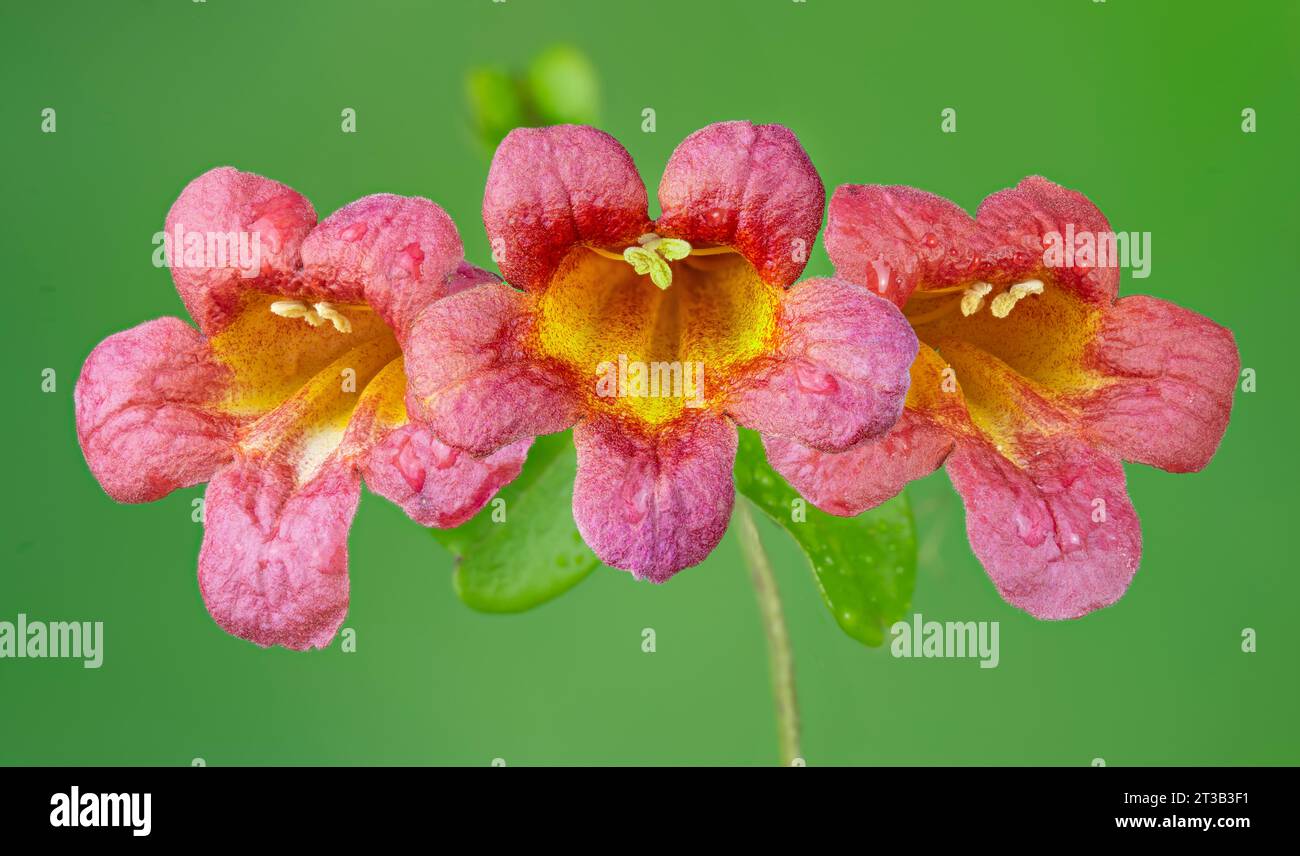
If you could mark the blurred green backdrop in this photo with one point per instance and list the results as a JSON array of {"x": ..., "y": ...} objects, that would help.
[{"x": 1137, "y": 104}]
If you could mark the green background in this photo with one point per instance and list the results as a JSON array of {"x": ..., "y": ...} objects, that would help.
[{"x": 1136, "y": 104}]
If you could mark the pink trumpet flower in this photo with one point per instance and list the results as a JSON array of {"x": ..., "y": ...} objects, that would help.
[
  {"x": 1032, "y": 384},
  {"x": 290, "y": 391},
  {"x": 654, "y": 339}
]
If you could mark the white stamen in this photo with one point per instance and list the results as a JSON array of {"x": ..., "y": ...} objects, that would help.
[
  {"x": 289, "y": 308},
  {"x": 328, "y": 312},
  {"x": 1005, "y": 302},
  {"x": 313, "y": 315},
  {"x": 973, "y": 298}
]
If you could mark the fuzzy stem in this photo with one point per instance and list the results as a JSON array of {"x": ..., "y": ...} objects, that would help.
[{"x": 778, "y": 638}]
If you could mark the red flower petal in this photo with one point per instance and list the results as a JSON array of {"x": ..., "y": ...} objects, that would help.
[
  {"x": 1016, "y": 222},
  {"x": 840, "y": 372},
  {"x": 656, "y": 504},
  {"x": 435, "y": 484},
  {"x": 748, "y": 186},
  {"x": 1171, "y": 375},
  {"x": 224, "y": 201},
  {"x": 1047, "y": 512},
  {"x": 1058, "y": 536},
  {"x": 466, "y": 276},
  {"x": 893, "y": 238},
  {"x": 394, "y": 253},
  {"x": 849, "y": 483},
  {"x": 273, "y": 567},
  {"x": 148, "y": 416},
  {"x": 550, "y": 189},
  {"x": 472, "y": 379}
]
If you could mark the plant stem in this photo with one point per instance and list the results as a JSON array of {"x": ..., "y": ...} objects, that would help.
[{"x": 778, "y": 638}]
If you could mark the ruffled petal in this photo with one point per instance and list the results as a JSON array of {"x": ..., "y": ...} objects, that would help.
[
  {"x": 224, "y": 202},
  {"x": 472, "y": 379},
  {"x": 551, "y": 189},
  {"x": 1169, "y": 379},
  {"x": 274, "y": 561},
  {"x": 1017, "y": 222},
  {"x": 1047, "y": 510},
  {"x": 148, "y": 411},
  {"x": 467, "y": 276},
  {"x": 435, "y": 484},
  {"x": 654, "y": 504},
  {"x": 1057, "y": 535},
  {"x": 849, "y": 483},
  {"x": 893, "y": 238},
  {"x": 748, "y": 186},
  {"x": 896, "y": 239},
  {"x": 395, "y": 253},
  {"x": 840, "y": 372}
]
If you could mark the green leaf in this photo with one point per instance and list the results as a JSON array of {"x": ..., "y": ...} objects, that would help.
[
  {"x": 535, "y": 553},
  {"x": 495, "y": 104},
  {"x": 865, "y": 566},
  {"x": 564, "y": 87}
]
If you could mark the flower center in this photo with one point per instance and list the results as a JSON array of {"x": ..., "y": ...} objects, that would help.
[
  {"x": 1033, "y": 329},
  {"x": 299, "y": 384},
  {"x": 650, "y": 353}
]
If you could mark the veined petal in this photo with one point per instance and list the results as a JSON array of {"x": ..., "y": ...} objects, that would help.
[
  {"x": 466, "y": 276},
  {"x": 550, "y": 189},
  {"x": 149, "y": 415},
  {"x": 748, "y": 186},
  {"x": 473, "y": 379},
  {"x": 893, "y": 238},
  {"x": 1057, "y": 534},
  {"x": 394, "y": 253},
  {"x": 1017, "y": 223},
  {"x": 267, "y": 218},
  {"x": 273, "y": 566},
  {"x": 848, "y": 483},
  {"x": 1047, "y": 510},
  {"x": 840, "y": 372},
  {"x": 898, "y": 239},
  {"x": 656, "y": 503},
  {"x": 274, "y": 559},
  {"x": 1168, "y": 379},
  {"x": 435, "y": 484}
]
